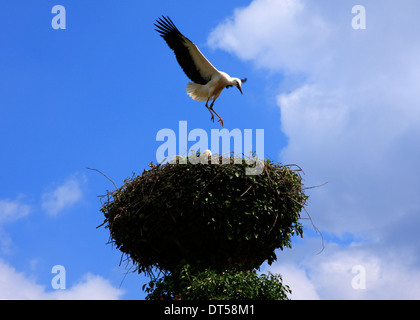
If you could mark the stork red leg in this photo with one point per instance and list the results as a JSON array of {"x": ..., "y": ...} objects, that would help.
[
  {"x": 220, "y": 118},
  {"x": 210, "y": 108}
]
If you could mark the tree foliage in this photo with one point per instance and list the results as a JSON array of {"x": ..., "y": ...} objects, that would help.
[{"x": 210, "y": 284}]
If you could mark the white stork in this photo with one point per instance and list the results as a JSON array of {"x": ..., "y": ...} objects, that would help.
[{"x": 208, "y": 82}]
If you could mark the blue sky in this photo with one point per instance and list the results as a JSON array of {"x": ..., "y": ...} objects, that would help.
[{"x": 341, "y": 103}]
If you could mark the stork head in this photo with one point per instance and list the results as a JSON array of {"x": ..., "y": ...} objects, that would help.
[{"x": 238, "y": 83}]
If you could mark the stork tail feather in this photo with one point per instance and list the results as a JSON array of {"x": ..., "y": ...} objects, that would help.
[{"x": 197, "y": 91}]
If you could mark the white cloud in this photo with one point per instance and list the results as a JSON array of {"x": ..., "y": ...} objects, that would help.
[
  {"x": 63, "y": 196},
  {"x": 296, "y": 278},
  {"x": 91, "y": 287},
  {"x": 331, "y": 275},
  {"x": 352, "y": 122},
  {"x": 257, "y": 31},
  {"x": 12, "y": 210},
  {"x": 16, "y": 285}
]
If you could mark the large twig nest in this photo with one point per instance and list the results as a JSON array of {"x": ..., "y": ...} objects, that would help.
[{"x": 206, "y": 215}]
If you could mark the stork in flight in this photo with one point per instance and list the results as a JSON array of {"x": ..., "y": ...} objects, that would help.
[{"x": 208, "y": 82}]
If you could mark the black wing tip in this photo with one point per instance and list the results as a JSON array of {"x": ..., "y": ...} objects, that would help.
[
  {"x": 165, "y": 24},
  {"x": 162, "y": 18}
]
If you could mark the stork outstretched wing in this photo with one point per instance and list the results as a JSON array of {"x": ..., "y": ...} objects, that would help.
[{"x": 191, "y": 60}]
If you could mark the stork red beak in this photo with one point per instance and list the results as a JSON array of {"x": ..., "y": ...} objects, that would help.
[{"x": 240, "y": 89}]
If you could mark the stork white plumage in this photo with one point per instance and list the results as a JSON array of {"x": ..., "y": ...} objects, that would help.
[{"x": 208, "y": 82}]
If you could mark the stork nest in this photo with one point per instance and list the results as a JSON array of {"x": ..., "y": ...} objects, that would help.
[{"x": 205, "y": 215}]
